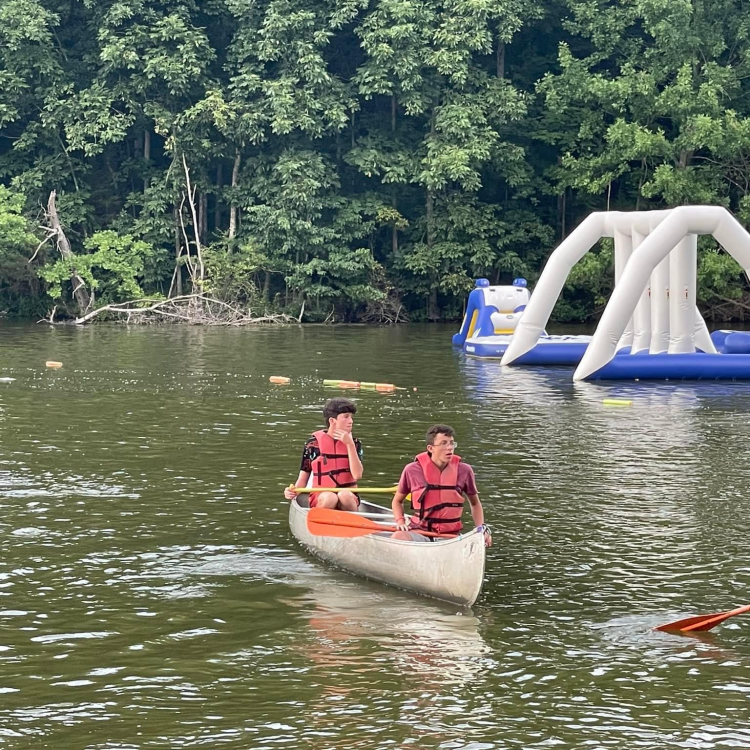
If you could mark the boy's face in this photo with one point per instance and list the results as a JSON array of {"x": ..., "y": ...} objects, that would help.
[
  {"x": 343, "y": 422},
  {"x": 443, "y": 447}
]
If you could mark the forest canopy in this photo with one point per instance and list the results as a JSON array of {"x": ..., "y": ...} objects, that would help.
[{"x": 355, "y": 160}]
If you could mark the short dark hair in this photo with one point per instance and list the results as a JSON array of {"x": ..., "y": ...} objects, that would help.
[
  {"x": 338, "y": 406},
  {"x": 439, "y": 429}
]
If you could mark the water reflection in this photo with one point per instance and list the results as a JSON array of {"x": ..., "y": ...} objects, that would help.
[
  {"x": 363, "y": 641},
  {"x": 347, "y": 617},
  {"x": 152, "y": 596},
  {"x": 427, "y": 643}
]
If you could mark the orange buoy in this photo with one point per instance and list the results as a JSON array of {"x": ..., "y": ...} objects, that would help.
[
  {"x": 279, "y": 380},
  {"x": 381, "y": 387},
  {"x": 52, "y": 363},
  {"x": 385, "y": 387},
  {"x": 341, "y": 383}
]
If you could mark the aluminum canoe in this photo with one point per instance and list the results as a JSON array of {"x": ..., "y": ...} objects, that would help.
[{"x": 451, "y": 570}]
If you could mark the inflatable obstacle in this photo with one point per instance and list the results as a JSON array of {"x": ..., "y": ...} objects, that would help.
[
  {"x": 651, "y": 327},
  {"x": 492, "y": 316}
]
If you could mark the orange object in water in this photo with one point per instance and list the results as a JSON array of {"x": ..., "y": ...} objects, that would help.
[
  {"x": 341, "y": 383},
  {"x": 702, "y": 622},
  {"x": 381, "y": 387},
  {"x": 52, "y": 363},
  {"x": 279, "y": 380}
]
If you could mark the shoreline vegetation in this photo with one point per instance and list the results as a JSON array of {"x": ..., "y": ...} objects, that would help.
[{"x": 227, "y": 163}]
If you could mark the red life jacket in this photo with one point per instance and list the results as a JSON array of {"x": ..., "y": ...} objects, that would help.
[
  {"x": 439, "y": 504},
  {"x": 331, "y": 467}
]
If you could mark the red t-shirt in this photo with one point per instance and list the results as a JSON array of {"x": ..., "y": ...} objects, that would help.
[{"x": 412, "y": 478}]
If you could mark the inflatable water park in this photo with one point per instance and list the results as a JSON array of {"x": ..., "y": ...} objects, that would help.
[{"x": 651, "y": 327}]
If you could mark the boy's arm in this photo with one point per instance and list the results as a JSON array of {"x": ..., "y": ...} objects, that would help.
[
  {"x": 397, "y": 506},
  {"x": 477, "y": 513},
  {"x": 355, "y": 463},
  {"x": 289, "y": 492}
]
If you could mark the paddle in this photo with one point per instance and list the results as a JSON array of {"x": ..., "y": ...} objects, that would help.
[
  {"x": 341, "y": 523},
  {"x": 364, "y": 490},
  {"x": 702, "y": 622}
]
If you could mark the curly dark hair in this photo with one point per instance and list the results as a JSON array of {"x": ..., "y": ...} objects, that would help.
[{"x": 338, "y": 406}]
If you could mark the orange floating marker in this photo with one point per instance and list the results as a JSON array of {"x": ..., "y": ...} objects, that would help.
[
  {"x": 53, "y": 364},
  {"x": 341, "y": 383},
  {"x": 279, "y": 380},
  {"x": 381, "y": 387}
]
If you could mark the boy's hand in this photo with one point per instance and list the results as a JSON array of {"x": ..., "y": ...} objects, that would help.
[
  {"x": 345, "y": 437},
  {"x": 289, "y": 492}
]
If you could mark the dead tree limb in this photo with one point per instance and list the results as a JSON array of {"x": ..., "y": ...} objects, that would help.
[
  {"x": 80, "y": 292},
  {"x": 196, "y": 225},
  {"x": 183, "y": 308}
]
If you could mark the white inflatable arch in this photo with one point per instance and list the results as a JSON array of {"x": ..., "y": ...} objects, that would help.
[{"x": 639, "y": 314}]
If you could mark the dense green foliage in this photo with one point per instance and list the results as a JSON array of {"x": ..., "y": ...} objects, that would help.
[{"x": 358, "y": 159}]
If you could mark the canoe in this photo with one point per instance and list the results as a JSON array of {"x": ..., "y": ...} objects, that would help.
[{"x": 451, "y": 570}]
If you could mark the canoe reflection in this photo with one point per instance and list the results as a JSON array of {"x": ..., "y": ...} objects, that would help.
[
  {"x": 383, "y": 661},
  {"x": 362, "y": 628}
]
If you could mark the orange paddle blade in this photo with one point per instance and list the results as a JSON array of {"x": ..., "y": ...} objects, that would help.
[
  {"x": 342, "y": 532},
  {"x": 330, "y": 522},
  {"x": 702, "y": 622},
  {"x": 341, "y": 523}
]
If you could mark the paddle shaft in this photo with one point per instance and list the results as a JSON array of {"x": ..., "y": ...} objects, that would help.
[
  {"x": 362, "y": 490},
  {"x": 317, "y": 527}
]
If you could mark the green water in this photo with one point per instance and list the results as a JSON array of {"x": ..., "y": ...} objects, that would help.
[{"x": 152, "y": 596}]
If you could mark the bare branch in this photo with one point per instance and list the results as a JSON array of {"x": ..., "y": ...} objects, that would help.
[
  {"x": 196, "y": 228},
  {"x": 182, "y": 308}
]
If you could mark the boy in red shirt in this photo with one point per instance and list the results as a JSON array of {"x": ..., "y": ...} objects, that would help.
[{"x": 438, "y": 481}]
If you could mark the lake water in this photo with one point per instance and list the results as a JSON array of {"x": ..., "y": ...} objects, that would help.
[{"x": 152, "y": 596}]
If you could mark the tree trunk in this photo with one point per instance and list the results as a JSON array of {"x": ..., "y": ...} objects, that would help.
[
  {"x": 685, "y": 157},
  {"x": 500, "y": 59},
  {"x": 177, "y": 276},
  {"x": 203, "y": 216},
  {"x": 394, "y": 230},
  {"x": 561, "y": 210},
  {"x": 266, "y": 286},
  {"x": 217, "y": 206},
  {"x": 147, "y": 158},
  {"x": 394, "y": 202},
  {"x": 80, "y": 293},
  {"x": 197, "y": 275},
  {"x": 433, "y": 311},
  {"x": 233, "y": 205}
]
